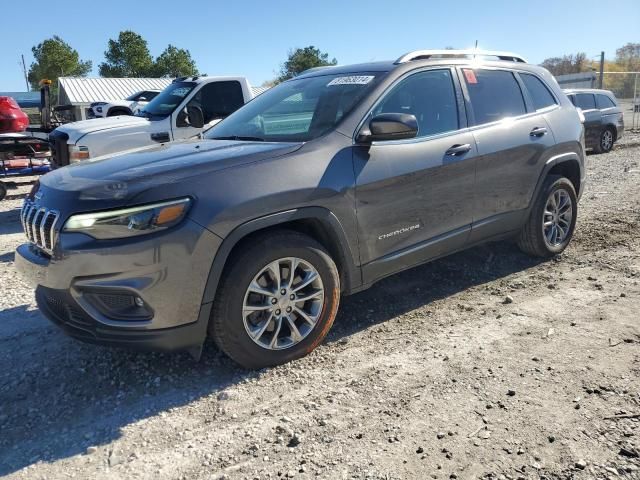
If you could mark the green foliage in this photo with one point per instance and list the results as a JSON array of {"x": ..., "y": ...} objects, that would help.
[
  {"x": 55, "y": 58},
  {"x": 302, "y": 59},
  {"x": 175, "y": 62},
  {"x": 128, "y": 56}
]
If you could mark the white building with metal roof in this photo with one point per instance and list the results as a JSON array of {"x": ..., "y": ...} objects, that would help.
[{"x": 81, "y": 92}]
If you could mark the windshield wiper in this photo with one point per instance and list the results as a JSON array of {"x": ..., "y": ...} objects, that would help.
[{"x": 239, "y": 137}]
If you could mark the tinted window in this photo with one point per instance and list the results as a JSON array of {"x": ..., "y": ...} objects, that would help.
[
  {"x": 573, "y": 99},
  {"x": 540, "y": 94},
  {"x": 150, "y": 95},
  {"x": 218, "y": 99},
  {"x": 430, "y": 96},
  {"x": 604, "y": 101},
  {"x": 494, "y": 94},
  {"x": 298, "y": 110},
  {"x": 585, "y": 101}
]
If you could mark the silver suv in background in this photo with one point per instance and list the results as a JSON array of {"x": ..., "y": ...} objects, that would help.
[
  {"x": 320, "y": 186},
  {"x": 604, "y": 121}
]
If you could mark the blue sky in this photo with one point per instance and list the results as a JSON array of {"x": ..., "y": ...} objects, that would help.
[{"x": 252, "y": 38}]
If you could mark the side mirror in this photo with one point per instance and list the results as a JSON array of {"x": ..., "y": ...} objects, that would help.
[
  {"x": 389, "y": 126},
  {"x": 191, "y": 116}
]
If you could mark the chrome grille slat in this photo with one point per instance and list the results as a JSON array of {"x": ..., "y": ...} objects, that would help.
[{"x": 39, "y": 225}]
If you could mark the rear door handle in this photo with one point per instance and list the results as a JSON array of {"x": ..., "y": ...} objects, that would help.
[
  {"x": 458, "y": 150},
  {"x": 161, "y": 137},
  {"x": 538, "y": 132}
]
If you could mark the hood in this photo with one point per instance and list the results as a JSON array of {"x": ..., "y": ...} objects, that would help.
[
  {"x": 77, "y": 130},
  {"x": 118, "y": 181}
]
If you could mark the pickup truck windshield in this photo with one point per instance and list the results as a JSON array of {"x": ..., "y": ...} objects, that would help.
[
  {"x": 297, "y": 110},
  {"x": 166, "y": 101}
]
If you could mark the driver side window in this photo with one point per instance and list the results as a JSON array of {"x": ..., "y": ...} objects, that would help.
[
  {"x": 218, "y": 99},
  {"x": 430, "y": 96}
]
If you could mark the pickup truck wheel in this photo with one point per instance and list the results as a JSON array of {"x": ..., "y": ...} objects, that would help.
[
  {"x": 552, "y": 220},
  {"x": 277, "y": 300},
  {"x": 605, "y": 141}
]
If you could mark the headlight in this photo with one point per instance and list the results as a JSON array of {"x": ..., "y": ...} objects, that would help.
[
  {"x": 99, "y": 109},
  {"x": 78, "y": 153},
  {"x": 129, "y": 222}
]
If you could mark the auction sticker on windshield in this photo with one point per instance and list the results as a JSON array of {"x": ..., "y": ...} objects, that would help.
[{"x": 351, "y": 80}]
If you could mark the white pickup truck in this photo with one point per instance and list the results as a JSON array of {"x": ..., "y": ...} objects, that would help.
[{"x": 182, "y": 110}]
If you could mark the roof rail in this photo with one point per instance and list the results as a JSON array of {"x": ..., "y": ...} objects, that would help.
[{"x": 425, "y": 54}]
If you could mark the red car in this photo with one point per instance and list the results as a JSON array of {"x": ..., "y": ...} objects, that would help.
[{"x": 12, "y": 119}]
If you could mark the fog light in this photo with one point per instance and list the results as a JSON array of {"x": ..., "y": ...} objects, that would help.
[{"x": 139, "y": 302}]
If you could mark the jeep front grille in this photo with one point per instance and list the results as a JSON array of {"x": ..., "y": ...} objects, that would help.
[{"x": 39, "y": 225}]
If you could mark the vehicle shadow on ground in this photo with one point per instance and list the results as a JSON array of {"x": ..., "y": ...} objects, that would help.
[{"x": 58, "y": 396}]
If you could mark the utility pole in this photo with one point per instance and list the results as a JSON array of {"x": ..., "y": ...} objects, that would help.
[
  {"x": 24, "y": 70},
  {"x": 601, "y": 70}
]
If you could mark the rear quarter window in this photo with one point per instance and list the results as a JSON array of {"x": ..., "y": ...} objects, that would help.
[
  {"x": 540, "y": 94},
  {"x": 604, "y": 102},
  {"x": 494, "y": 95}
]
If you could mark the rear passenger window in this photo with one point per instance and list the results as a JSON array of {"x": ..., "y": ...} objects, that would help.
[
  {"x": 585, "y": 101},
  {"x": 430, "y": 96},
  {"x": 540, "y": 94},
  {"x": 604, "y": 102},
  {"x": 494, "y": 94}
]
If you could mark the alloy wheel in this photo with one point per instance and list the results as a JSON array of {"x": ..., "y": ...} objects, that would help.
[
  {"x": 557, "y": 216},
  {"x": 283, "y": 303},
  {"x": 606, "y": 142}
]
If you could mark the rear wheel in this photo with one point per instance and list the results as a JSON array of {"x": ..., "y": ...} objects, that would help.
[
  {"x": 605, "y": 142},
  {"x": 552, "y": 220},
  {"x": 277, "y": 300}
]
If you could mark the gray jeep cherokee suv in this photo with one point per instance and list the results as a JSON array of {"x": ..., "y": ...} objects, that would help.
[{"x": 321, "y": 186}]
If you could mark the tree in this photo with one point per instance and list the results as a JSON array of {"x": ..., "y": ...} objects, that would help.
[
  {"x": 302, "y": 59},
  {"x": 567, "y": 64},
  {"x": 55, "y": 58},
  {"x": 128, "y": 56},
  {"x": 175, "y": 62},
  {"x": 628, "y": 56}
]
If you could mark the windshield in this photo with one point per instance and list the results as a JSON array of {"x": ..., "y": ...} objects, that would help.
[
  {"x": 297, "y": 110},
  {"x": 167, "y": 100}
]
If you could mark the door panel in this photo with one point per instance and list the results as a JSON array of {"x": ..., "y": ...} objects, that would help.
[
  {"x": 510, "y": 159},
  {"x": 408, "y": 193}
]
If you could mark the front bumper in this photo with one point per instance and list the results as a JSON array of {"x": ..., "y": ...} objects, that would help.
[{"x": 168, "y": 271}]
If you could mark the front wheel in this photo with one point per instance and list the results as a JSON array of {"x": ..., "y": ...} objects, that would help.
[
  {"x": 277, "y": 301},
  {"x": 552, "y": 220}
]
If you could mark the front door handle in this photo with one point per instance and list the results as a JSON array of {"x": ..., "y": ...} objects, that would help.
[
  {"x": 458, "y": 150},
  {"x": 161, "y": 137},
  {"x": 538, "y": 132}
]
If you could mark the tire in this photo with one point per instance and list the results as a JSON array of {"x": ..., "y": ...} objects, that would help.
[
  {"x": 534, "y": 236},
  {"x": 117, "y": 111},
  {"x": 3, "y": 191},
  {"x": 230, "y": 323},
  {"x": 605, "y": 141}
]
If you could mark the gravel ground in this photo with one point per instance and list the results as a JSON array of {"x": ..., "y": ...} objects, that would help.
[{"x": 487, "y": 364}]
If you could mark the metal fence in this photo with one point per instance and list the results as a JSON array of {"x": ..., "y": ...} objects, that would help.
[{"x": 626, "y": 87}]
